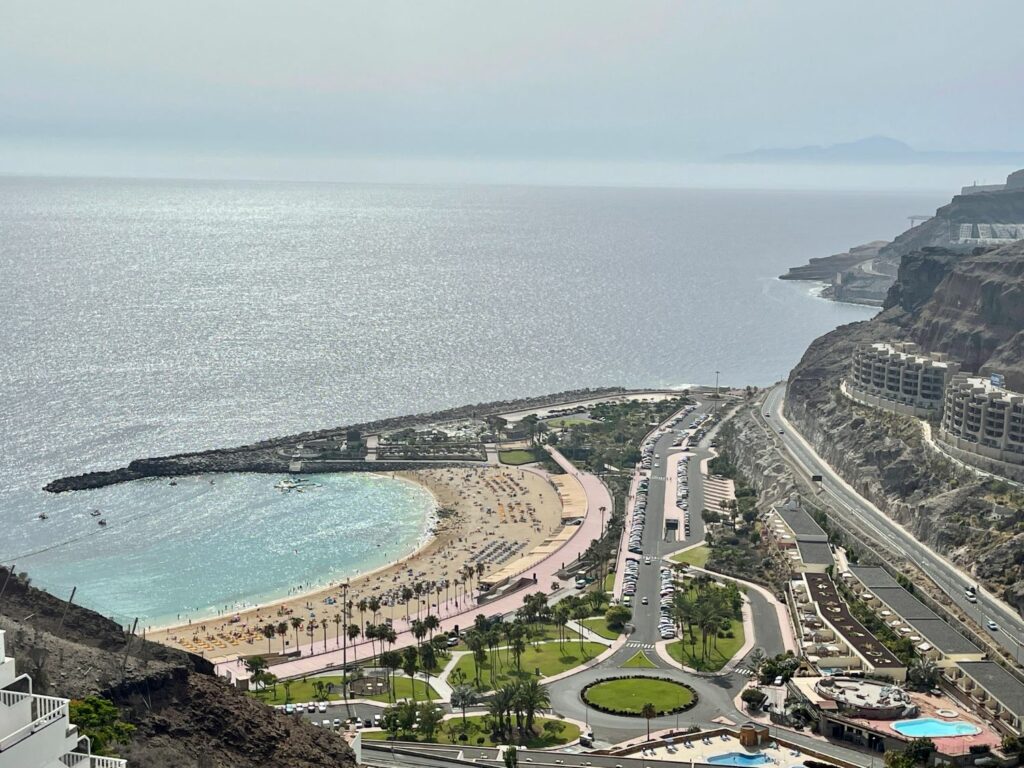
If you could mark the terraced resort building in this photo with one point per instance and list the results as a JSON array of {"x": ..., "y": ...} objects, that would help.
[
  {"x": 899, "y": 377},
  {"x": 986, "y": 421}
]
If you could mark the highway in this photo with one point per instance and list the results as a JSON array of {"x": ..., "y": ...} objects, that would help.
[{"x": 838, "y": 494}]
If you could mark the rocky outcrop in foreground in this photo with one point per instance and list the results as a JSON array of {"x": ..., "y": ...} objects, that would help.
[
  {"x": 972, "y": 308},
  {"x": 184, "y": 715}
]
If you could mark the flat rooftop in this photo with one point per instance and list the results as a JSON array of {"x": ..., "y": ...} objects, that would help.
[
  {"x": 945, "y": 637},
  {"x": 903, "y": 603},
  {"x": 815, "y": 552},
  {"x": 873, "y": 577},
  {"x": 1000, "y": 684},
  {"x": 835, "y": 610},
  {"x": 925, "y": 621},
  {"x": 800, "y": 522}
]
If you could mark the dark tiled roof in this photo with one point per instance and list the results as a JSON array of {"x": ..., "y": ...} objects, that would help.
[{"x": 1001, "y": 685}]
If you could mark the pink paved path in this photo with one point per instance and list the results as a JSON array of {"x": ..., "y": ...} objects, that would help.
[{"x": 313, "y": 660}]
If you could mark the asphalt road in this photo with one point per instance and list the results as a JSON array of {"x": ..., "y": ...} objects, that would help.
[{"x": 842, "y": 497}]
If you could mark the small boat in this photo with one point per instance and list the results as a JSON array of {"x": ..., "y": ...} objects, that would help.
[
  {"x": 103, "y": 522},
  {"x": 95, "y": 513},
  {"x": 42, "y": 516},
  {"x": 173, "y": 482}
]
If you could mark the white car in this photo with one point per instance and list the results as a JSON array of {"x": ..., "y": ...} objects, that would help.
[{"x": 992, "y": 626}]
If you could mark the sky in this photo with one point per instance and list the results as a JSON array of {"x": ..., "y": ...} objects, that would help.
[{"x": 570, "y": 89}]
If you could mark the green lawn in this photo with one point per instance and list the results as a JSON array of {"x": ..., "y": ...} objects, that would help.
[
  {"x": 630, "y": 694},
  {"x": 719, "y": 651},
  {"x": 544, "y": 631},
  {"x": 599, "y": 626},
  {"x": 516, "y": 457},
  {"x": 550, "y": 658},
  {"x": 609, "y": 582},
  {"x": 698, "y": 556},
  {"x": 303, "y": 691},
  {"x": 567, "y": 421},
  {"x": 404, "y": 690},
  {"x": 444, "y": 735},
  {"x": 640, "y": 661}
]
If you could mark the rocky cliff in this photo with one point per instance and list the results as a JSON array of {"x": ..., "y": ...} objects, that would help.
[
  {"x": 184, "y": 715},
  {"x": 970, "y": 307},
  {"x": 1004, "y": 206}
]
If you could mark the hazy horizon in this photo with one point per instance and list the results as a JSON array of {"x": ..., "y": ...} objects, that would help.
[{"x": 654, "y": 93}]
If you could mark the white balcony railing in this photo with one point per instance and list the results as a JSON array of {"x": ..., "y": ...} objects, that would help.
[
  {"x": 81, "y": 760},
  {"x": 46, "y": 710}
]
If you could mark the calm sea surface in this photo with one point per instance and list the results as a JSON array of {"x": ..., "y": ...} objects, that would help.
[{"x": 146, "y": 318}]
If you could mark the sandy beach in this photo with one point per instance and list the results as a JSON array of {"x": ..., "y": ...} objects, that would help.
[{"x": 488, "y": 518}]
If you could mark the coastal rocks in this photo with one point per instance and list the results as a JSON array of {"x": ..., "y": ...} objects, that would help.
[
  {"x": 265, "y": 456},
  {"x": 184, "y": 715}
]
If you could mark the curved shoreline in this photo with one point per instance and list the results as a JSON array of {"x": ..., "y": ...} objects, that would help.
[
  {"x": 427, "y": 537},
  {"x": 489, "y": 506}
]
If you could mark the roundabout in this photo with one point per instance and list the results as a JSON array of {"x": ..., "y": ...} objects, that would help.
[{"x": 627, "y": 696}]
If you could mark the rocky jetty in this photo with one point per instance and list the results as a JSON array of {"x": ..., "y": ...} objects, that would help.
[
  {"x": 183, "y": 714},
  {"x": 970, "y": 307},
  {"x": 267, "y": 456}
]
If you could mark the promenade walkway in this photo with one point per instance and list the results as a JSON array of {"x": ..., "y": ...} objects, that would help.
[{"x": 545, "y": 573}]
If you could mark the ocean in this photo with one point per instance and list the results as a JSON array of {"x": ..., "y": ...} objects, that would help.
[{"x": 152, "y": 317}]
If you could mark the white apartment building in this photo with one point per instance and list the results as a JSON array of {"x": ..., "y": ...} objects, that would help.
[
  {"x": 899, "y": 377},
  {"x": 35, "y": 731},
  {"x": 984, "y": 420}
]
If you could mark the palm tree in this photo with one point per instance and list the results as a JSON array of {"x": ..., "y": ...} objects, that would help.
[
  {"x": 417, "y": 590},
  {"x": 362, "y": 605},
  {"x": 561, "y": 611},
  {"x": 647, "y": 712},
  {"x": 374, "y": 605},
  {"x": 269, "y": 630},
  {"x": 500, "y": 709},
  {"x": 282, "y": 632},
  {"x": 531, "y": 696},
  {"x": 475, "y": 643},
  {"x": 431, "y": 623},
  {"x": 407, "y": 594},
  {"x": 255, "y": 665},
  {"x": 296, "y": 623},
  {"x": 371, "y": 634},
  {"x": 337, "y": 628},
  {"x": 427, "y": 662},
  {"x": 287, "y": 691},
  {"x": 463, "y": 696},
  {"x": 410, "y": 664},
  {"x": 418, "y": 630},
  {"x": 391, "y": 661}
]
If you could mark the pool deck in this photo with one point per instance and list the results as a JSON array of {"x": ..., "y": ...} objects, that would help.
[
  {"x": 928, "y": 707},
  {"x": 699, "y": 750}
]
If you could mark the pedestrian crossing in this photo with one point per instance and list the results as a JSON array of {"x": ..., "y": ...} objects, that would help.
[
  {"x": 744, "y": 671},
  {"x": 646, "y": 646}
]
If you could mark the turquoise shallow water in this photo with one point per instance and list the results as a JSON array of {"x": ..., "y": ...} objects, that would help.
[
  {"x": 930, "y": 728},
  {"x": 200, "y": 546}
]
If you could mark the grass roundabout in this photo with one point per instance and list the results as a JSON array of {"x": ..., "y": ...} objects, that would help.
[{"x": 628, "y": 695}]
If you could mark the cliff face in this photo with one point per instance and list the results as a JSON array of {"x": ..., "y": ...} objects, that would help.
[
  {"x": 976, "y": 313},
  {"x": 972, "y": 308},
  {"x": 1005, "y": 206},
  {"x": 183, "y": 714}
]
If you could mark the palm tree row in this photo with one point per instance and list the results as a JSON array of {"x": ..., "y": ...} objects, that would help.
[
  {"x": 519, "y": 700},
  {"x": 709, "y": 608}
]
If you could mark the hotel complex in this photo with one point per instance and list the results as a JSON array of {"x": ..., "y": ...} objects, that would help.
[
  {"x": 900, "y": 377},
  {"x": 975, "y": 419},
  {"x": 983, "y": 418},
  {"x": 35, "y": 731}
]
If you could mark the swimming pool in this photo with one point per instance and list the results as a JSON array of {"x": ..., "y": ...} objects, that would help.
[
  {"x": 930, "y": 728},
  {"x": 738, "y": 758}
]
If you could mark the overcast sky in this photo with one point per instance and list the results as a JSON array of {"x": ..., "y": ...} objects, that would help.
[{"x": 277, "y": 89}]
